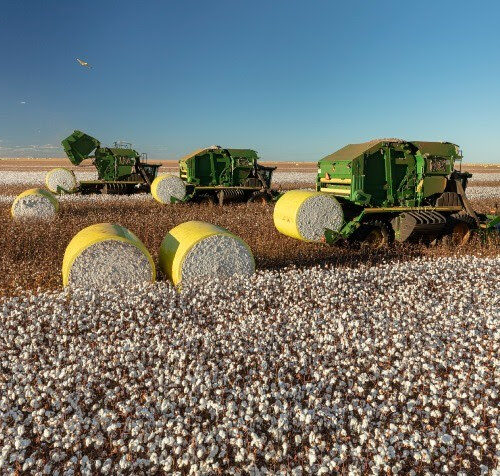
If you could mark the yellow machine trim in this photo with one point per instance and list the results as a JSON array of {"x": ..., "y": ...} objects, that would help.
[
  {"x": 339, "y": 181},
  {"x": 339, "y": 191},
  {"x": 95, "y": 234}
]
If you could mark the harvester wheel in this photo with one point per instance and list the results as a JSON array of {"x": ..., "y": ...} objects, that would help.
[
  {"x": 460, "y": 229},
  {"x": 207, "y": 200},
  {"x": 376, "y": 234},
  {"x": 259, "y": 197}
]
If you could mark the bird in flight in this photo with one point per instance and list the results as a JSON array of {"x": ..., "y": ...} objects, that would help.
[{"x": 83, "y": 63}]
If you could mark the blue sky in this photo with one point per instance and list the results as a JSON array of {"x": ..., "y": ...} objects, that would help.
[{"x": 294, "y": 80}]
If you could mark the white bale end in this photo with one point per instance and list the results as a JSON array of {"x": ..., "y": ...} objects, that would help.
[
  {"x": 106, "y": 254},
  {"x": 61, "y": 180},
  {"x": 218, "y": 256},
  {"x": 168, "y": 189},
  {"x": 35, "y": 204},
  {"x": 318, "y": 213},
  {"x": 199, "y": 250},
  {"x": 110, "y": 263}
]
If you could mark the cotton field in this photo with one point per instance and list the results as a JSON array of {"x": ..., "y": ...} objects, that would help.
[
  {"x": 316, "y": 360},
  {"x": 485, "y": 177},
  {"x": 474, "y": 192},
  {"x": 295, "y": 177},
  {"x": 299, "y": 371},
  {"x": 8, "y": 177}
]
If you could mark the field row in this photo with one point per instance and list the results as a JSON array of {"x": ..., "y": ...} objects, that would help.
[
  {"x": 473, "y": 192},
  {"x": 32, "y": 252}
]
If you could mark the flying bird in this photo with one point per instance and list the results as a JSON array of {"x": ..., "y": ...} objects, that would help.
[{"x": 83, "y": 63}]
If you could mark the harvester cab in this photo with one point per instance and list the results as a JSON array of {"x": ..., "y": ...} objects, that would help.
[{"x": 120, "y": 169}]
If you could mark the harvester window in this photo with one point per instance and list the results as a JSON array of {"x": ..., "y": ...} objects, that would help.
[{"x": 437, "y": 164}]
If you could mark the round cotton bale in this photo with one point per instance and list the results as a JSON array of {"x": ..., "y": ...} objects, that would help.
[
  {"x": 61, "y": 180},
  {"x": 35, "y": 204},
  {"x": 106, "y": 255},
  {"x": 168, "y": 189},
  {"x": 304, "y": 214},
  {"x": 197, "y": 249}
]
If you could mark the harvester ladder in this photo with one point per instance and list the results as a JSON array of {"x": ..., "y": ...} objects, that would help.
[{"x": 409, "y": 181}]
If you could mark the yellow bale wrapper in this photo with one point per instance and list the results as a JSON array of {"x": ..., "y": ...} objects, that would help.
[
  {"x": 43, "y": 195},
  {"x": 168, "y": 189},
  {"x": 108, "y": 233},
  {"x": 304, "y": 214},
  {"x": 200, "y": 249}
]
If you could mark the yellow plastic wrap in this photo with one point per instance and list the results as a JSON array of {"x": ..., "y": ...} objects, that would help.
[
  {"x": 154, "y": 187},
  {"x": 50, "y": 172},
  {"x": 35, "y": 191},
  {"x": 180, "y": 240},
  {"x": 156, "y": 183},
  {"x": 288, "y": 207},
  {"x": 95, "y": 234}
]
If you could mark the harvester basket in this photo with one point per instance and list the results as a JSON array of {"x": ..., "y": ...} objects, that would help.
[{"x": 78, "y": 146}]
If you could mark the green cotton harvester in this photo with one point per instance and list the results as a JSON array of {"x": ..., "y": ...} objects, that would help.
[
  {"x": 392, "y": 189},
  {"x": 398, "y": 189},
  {"x": 120, "y": 169},
  {"x": 218, "y": 174}
]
